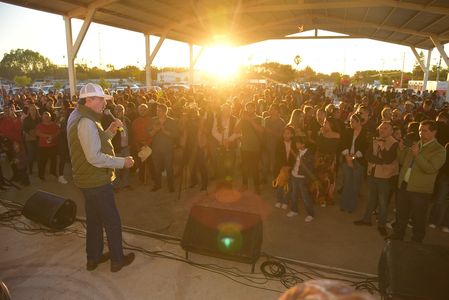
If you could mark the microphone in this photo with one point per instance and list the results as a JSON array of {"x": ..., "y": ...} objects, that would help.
[{"x": 108, "y": 112}]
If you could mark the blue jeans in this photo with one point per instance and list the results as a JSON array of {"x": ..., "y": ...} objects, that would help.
[
  {"x": 379, "y": 195},
  {"x": 351, "y": 185},
  {"x": 283, "y": 197},
  {"x": 299, "y": 187},
  {"x": 122, "y": 179},
  {"x": 102, "y": 212},
  {"x": 440, "y": 210}
]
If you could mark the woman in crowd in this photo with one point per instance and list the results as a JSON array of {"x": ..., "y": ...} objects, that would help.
[
  {"x": 354, "y": 145},
  {"x": 328, "y": 143},
  {"x": 29, "y": 129},
  {"x": 297, "y": 122},
  {"x": 48, "y": 132}
]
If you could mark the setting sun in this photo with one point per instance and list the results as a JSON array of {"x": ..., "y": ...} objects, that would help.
[{"x": 220, "y": 61}]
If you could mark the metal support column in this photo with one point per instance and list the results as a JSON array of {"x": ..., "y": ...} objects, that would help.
[
  {"x": 70, "y": 56},
  {"x": 149, "y": 57},
  {"x": 443, "y": 54},
  {"x": 191, "y": 65},
  {"x": 421, "y": 64},
  {"x": 72, "y": 49},
  {"x": 193, "y": 61},
  {"x": 426, "y": 71},
  {"x": 148, "y": 81}
]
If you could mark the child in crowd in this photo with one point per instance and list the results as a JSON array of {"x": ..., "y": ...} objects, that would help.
[{"x": 301, "y": 175}]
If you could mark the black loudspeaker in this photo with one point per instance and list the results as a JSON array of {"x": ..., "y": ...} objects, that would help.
[
  {"x": 50, "y": 210},
  {"x": 409, "y": 270},
  {"x": 223, "y": 233}
]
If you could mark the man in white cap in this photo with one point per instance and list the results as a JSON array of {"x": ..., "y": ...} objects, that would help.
[{"x": 93, "y": 164}]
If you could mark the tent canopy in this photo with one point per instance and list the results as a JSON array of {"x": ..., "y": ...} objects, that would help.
[{"x": 205, "y": 22}]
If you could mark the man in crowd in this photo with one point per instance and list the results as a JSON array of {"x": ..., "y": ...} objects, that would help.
[
  {"x": 420, "y": 165},
  {"x": 164, "y": 132},
  {"x": 250, "y": 127},
  {"x": 93, "y": 164}
]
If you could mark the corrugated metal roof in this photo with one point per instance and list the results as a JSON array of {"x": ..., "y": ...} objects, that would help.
[{"x": 201, "y": 22}]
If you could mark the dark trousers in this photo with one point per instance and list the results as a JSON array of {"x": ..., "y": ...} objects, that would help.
[
  {"x": 45, "y": 154},
  {"x": 101, "y": 211},
  {"x": 64, "y": 157},
  {"x": 31, "y": 147},
  {"x": 414, "y": 205},
  {"x": 250, "y": 167},
  {"x": 225, "y": 165},
  {"x": 199, "y": 165},
  {"x": 439, "y": 215},
  {"x": 161, "y": 161},
  {"x": 379, "y": 195}
]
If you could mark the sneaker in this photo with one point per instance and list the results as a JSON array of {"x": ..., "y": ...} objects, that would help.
[
  {"x": 284, "y": 206},
  {"x": 433, "y": 226},
  {"x": 292, "y": 214},
  {"x": 362, "y": 222},
  {"x": 62, "y": 180},
  {"x": 445, "y": 229},
  {"x": 127, "y": 260},
  {"x": 308, "y": 219},
  {"x": 278, "y": 205}
]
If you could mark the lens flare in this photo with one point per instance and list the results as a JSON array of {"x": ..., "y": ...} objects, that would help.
[{"x": 229, "y": 237}]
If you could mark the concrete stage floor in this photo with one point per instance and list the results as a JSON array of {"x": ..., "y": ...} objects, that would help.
[{"x": 330, "y": 239}]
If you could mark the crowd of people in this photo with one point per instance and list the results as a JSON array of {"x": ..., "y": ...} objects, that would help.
[{"x": 323, "y": 143}]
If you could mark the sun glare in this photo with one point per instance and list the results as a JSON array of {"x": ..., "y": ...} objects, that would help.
[{"x": 220, "y": 61}]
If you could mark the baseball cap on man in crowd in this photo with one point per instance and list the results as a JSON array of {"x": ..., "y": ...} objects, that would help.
[{"x": 93, "y": 90}]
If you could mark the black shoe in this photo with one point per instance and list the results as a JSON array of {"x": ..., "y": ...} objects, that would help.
[
  {"x": 382, "y": 231},
  {"x": 92, "y": 265},
  {"x": 394, "y": 236},
  {"x": 362, "y": 223},
  {"x": 127, "y": 260},
  {"x": 156, "y": 188}
]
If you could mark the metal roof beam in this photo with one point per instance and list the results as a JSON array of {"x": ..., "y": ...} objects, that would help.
[
  {"x": 418, "y": 58},
  {"x": 384, "y": 20},
  {"x": 82, "y": 11},
  {"x": 374, "y": 25},
  {"x": 440, "y": 49},
  {"x": 311, "y": 6}
]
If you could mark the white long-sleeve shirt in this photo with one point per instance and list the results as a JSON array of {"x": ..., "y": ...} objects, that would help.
[{"x": 91, "y": 144}]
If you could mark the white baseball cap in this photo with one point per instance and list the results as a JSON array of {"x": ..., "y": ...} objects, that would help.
[{"x": 93, "y": 90}]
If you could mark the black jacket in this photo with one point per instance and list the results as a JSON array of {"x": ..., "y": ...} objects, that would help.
[{"x": 281, "y": 157}]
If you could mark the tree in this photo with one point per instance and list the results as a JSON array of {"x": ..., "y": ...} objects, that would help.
[
  {"x": 22, "y": 81},
  {"x": 104, "y": 83},
  {"x": 24, "y": 62}
]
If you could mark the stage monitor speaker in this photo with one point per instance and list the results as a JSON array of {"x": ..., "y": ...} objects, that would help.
[
  {"x": 50, "y": 210},
  {"x": 409, "y": 270},
  {"x": 223, "y": 233}
]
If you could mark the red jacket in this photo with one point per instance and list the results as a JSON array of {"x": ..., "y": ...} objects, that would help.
[{"x": 11, "y": 128}]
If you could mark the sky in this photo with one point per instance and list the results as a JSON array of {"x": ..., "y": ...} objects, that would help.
[{"x": 45, "y": 33}]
